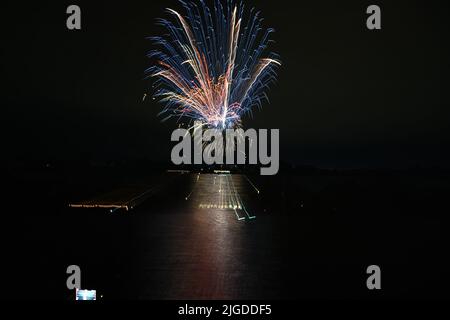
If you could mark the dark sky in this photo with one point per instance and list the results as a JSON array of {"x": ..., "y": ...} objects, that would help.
[{"x": 345, "y": 96}]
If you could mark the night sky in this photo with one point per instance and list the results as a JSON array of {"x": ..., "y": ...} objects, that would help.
[{"x": 345, "y": 96}]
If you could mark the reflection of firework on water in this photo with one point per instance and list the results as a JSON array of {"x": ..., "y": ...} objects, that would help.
[{"x": 210, "y": 67}]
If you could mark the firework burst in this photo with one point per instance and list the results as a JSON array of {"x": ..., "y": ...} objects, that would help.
[{"x": 209, "y": 66}]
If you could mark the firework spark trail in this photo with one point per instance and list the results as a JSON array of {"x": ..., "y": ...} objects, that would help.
[{"x": 209, "y": 65}]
